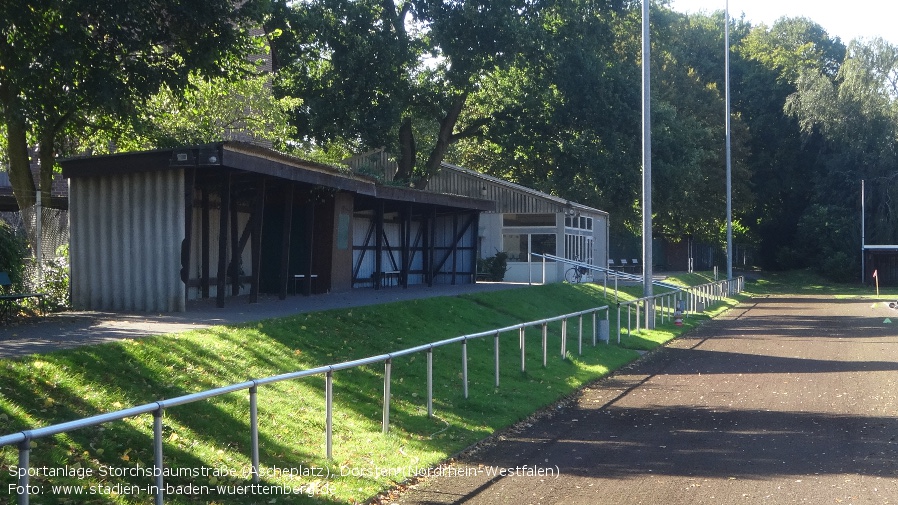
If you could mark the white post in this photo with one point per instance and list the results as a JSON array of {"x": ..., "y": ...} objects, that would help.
[
  {"x": 646, "y": 159},
  {"x": 726, "y": 36}
]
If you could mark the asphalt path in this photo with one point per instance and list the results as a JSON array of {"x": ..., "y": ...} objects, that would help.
[
  {"x": 76, "y": 328},
  {"x": 782, "y": 400}
]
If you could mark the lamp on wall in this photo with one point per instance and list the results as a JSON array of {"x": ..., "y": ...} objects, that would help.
[
  {"x": 569, "y": 210},
  {"x": 483, "y": 191}
]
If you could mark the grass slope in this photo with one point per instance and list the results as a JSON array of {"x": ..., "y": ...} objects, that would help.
[{"x": 211, "y": 438}]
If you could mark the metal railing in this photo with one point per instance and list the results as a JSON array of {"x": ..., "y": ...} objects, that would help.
[
  {"x": 683, "y": 300},
  {"x": 600, "y": 331},
  {"x": 616, "y": 275}
]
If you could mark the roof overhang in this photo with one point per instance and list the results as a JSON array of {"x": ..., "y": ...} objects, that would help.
[{"x": 250, "y": 158}]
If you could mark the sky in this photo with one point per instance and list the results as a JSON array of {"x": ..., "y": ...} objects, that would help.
[{"x": 846, "y": 20}]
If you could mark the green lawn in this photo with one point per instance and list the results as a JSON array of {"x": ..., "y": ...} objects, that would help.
[{"x": 212, "y": 437}]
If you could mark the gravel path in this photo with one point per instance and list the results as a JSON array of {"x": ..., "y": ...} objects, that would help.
[{"x": 783, "y": 400}]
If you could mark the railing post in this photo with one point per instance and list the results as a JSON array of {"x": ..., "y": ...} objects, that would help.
[
  {"x": 157, "y": 455},
  {"x": 496, "y": 356},
  {"x": 545, "y": 342},
  {"x": 523, "y": 348},
  {"x": 563, "y": 338},
  {"x": 595, "y": 330},
  {"x": 580, "y": 336},
  {"x": 254, "y": 430},
  {"x": 618, "y": 323},
  {"x": 388, "y": 366},
  {"x": 329, "y": 414},
  {"x": 464, "y": 365},
  {"x": 530, "y": 269},
  {"x": 629, "y": 326},
  {"x": 24, "y": 463},
  {"x": 430, "y": 382},
  {"x": 637, "y": 314}
]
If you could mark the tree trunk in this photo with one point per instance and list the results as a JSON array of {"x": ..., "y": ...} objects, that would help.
[
  {"x": 23, "y": 187},
  {"x": 47, "y": 157},
  {"x": 444, "y": 140},
  {"x": 407, "y": 152}
]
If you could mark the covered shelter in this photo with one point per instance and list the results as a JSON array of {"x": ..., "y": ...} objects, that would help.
[{"x": 151, "y": 230}]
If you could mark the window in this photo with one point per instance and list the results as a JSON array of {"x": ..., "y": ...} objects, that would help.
[
  {"x": 543, "y": 243},
  {"x": 519, "y": 246},
  {"x": 528, "y": 219},
  {"x": 515, "y": 246},
  {"x": 579, "y": 223}
]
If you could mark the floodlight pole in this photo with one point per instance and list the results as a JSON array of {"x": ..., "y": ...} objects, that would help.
[
  {"x": 863, "y": 236},
  {"x": 726, "y": 36},
  {"x": 646, "y": 165}
]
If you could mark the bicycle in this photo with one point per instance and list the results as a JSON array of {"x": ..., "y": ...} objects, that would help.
[{"x": 575, "y": 275}]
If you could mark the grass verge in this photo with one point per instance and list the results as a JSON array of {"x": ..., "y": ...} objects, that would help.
[{"x": 207, "y": 443}]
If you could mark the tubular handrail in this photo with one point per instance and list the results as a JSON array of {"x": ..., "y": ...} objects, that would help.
[
  {"x": 605, "y": 270},
  {"x": 712, "y": 291},
  {"x": 23, "y": 438}
]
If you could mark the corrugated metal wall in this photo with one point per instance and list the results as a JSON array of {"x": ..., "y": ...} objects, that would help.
[{"x": 126, "y": 236}]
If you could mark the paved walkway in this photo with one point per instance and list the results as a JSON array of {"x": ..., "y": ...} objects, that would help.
[
  {"x": 71, "y": 329},
  {"x": 783, "y": 400}
]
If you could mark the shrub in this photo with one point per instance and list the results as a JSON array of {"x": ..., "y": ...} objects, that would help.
[
  {"x": 13, "y": 250},
  {"x": 494, "y": 267},
  {"x": 55, "y": 282}
]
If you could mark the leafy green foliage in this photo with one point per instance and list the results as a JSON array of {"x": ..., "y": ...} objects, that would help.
[
  {"x": 401, "y": 72},
  {"x": 494, "y": 267},
  {"x": 208, "y": 110},
  {"x": 13, "y": 251},
  {"x": 66, "y": 61}
]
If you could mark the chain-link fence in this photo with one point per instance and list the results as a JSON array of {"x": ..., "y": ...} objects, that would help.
[{"x": 47, "y": 267}]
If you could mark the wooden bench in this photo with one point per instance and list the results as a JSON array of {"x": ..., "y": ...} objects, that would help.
[
  {"x": 388, "y": 277},
  {"x": 10, "y": 301},
  {"x": 301, "y": 277}
]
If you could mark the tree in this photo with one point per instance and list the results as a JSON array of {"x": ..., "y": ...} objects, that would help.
[
  {"x": 767, "y": 63},
  {"x": 394, "y": 74},
  {"x": 575, "y": 131},
  {"x": 565, "y": 116},
  {"x": 207, "y": 110},
  {"x": 63, "y": 60},
  {"x": 856, "y": 116}
]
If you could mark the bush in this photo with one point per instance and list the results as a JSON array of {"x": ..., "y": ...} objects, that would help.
[
  {"x": 13, "y": 251},
  {"x": 55, "y": 282},
  {"x": 494, "y": 267}
]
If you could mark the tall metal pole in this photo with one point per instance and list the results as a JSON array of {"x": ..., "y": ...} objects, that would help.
[
  {"x": 646, "y": 160},
  {"x": 726, "y": 36},
  {"x": 863, "y": 235}
]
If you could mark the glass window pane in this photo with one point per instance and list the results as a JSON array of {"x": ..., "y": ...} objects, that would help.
[
  {"x": 543, "y": 243},
  {"x": 528, "y": 219},
  {"x": 515, "y": 246}
]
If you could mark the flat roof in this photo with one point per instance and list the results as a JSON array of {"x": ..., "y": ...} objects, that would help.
[{"x": 261, "y": 160}]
